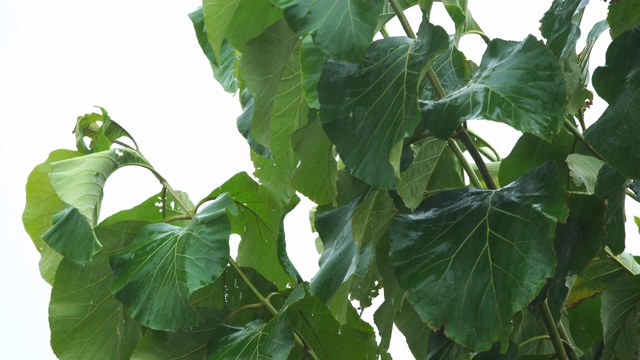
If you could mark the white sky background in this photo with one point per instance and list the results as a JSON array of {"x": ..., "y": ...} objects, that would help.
[{"x": 141, "y": 61}]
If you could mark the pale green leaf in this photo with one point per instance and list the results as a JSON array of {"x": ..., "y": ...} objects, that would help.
[
  {"x": 257, "y": 340},
  {"x": 414, "y": 179},
  {"x": 584, "y": 170}
]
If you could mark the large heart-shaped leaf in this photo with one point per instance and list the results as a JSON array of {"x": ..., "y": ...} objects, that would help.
[
  {"x": 86, "y": 320},
  {"x": 619, "y": 315},
  {"x": 43, "y": 203},
  {"x": 369, "y": 108},
  {"x": 623, "y": 15},
  {"x": 259, "y": 225},
  {"x": 341, "y": 28},
  {"x": 615, "y": 134},
  {"x": 256, "y": 340},
  {"x": 155, "y": 275},
  {"x": 495, "y": 92},
  {"x": 472, "y": 258}
]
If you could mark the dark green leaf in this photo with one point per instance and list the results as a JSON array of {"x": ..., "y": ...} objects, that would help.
[
  {"x": 223, "y": 69},
  {"x": 584, "y": 171},
  {"x": 330, "y": 340},
  {"x": 472, "y": 258},
  {"x": 612, "y": 186},
  {"x": 258, "y": 224},
  {"x": 414, "y": 330},
  {"x": 586, "y": 328},
  {"x": 86, "y": 320},
  {"x": 257, "y": 340},
  {"x": 368, "y": 109},
  {"x": 72, "y": 236},
  {"x": 461, "y": 16},
  {"x": 619, "y": 314},
  {"x": 244, "y": 124},
  {"x": 496, "y": 353},
  {"x": 317, "y": 173},
  {"x": 237, "y": 20},
  {"x": 623, "y": 15},
  {"x": 580, "y": 239},
  {"x": 495, "y": 92},
  {"x": 42, "y": 203},
  {"x": 414, "y": 180},
  {"x": 280, "y": 107},
  {"x": 614, "y": 135},
  {"x": 531, "y": 151},
  {"x": 453, "y": 71},
  {"x": 155, "y": 275},
  {"x": 341, "y": 28}
]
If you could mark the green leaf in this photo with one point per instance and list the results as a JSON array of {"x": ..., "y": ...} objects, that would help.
[
  {"x": 341, "y": 28},
  {"x": 155, "y": 275},
  {"x": 414, "y": 180},
  {"x": 531, "y": 151},
  {"x": 598, "y": 276},
  {"x": 86, "y": 320},
  {"x": 414, "y": 330},
  {"x": 223, "y": 69},
  {"x": 614, "y": 135},
  {"x": 470, "y": 249},
  {"x": 42, "y": 203},
  {"x": 367, "y": 109},
  {"x": 151, "y": 210},
  {"x": 584, "y": 170},
  {"x": 102, "y": 131},
  {"x": 237, "y": 20},
  {"x": 317, "y": 173},
  {"x": 330, "y": 340},
  {"x": 623, "y": 15},
  {"x": 80, "y": 181},
  {"x": 619, "y": 314},
  {"x": 72, "y": 236},
  {"x": 258, "y": 224},
  {"x": 257, "y": 340},
  {"x": 243, "y": 124},
  {"x": 280, "y": 107},
  {"x": 612, "y": 186},
  {"x": 495, "y": 92},
  {"x": 584, "y": 320},
  {"x": 312, "y": 60},
  {"x": 176, "y": 345},
  {"x": 453, "y": 71},
  {"x": 461, "y": 16}
]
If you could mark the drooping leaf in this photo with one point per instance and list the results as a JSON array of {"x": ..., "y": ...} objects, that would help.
[
  {"x": 237, "y": 20},
  {"x": 42, "y": 203},
  {"x": 175, "y": 345},
  {"x": 279, "y": 105},
  {"x": 472, "y": 258},
  {"x": 86, "y": 320},
  {"x": 599, "y": 275},
  {"x": 312, "y": 60},
  {"x": 256, "y": 340},
  {"x": 531, "y": 151},
  {"x": 155, "y": 275},
  {"x": 79, "y": 181},
  {"x": 72, "y": 236},
  {"x": 369, "y": 108},
  {"x": 623, "y": 15},
  {"x": 585, "y": 55},
  {"x": 461, "y": 16},
  {"x": 243, "y": 124},
  {"x": 614, "y": 135},
  {"x": 224, "y": 68},
  {"x": 495, "y": 92},
  {"x": 414, "y": 180},
  {"x": 317, "y": 173},
  {"x": 151, "y": 210},
  {"x": 258, "y": 224},
  {"x": 101, "y": 130},
  {"x": 611, "y": 185},
  {"x": 341, "y": 28},
  {"x": 584, "y": 170},
  {"x": 330, "y": 340},
  {"x": 619, "y": 314}
]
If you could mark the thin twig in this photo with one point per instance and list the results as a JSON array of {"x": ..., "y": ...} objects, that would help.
[{"x": 477, "y": 158}]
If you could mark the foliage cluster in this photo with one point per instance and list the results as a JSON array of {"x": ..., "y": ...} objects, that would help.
[{"x": 521, "y": 257}]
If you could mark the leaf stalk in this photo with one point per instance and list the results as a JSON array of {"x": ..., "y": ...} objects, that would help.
[
  {"x": 465, "y": 164},
  {"x": 552, "y": 329}
]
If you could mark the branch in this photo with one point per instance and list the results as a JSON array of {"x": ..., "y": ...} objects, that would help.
[
  {"x": 477, "y": 158},
  {"x": 465, "y": 164}
]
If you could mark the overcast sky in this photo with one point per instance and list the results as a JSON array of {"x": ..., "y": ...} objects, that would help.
[{"x": 141, "y": 61}]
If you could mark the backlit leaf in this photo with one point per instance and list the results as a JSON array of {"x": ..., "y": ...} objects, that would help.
[
  {"x": 341, "y": 28},
  {"x": 367, "y": 109},
  {"x": 470, "y": 258},
  {"x": 495, "y": 92},
  {"x": 584, "y": 170},
  {"x": 155, "y": 275}
]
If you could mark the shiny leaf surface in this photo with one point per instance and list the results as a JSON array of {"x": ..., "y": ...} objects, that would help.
[
  {"x": 414, "y": 180},
  {"x": 470, "y": 249}
]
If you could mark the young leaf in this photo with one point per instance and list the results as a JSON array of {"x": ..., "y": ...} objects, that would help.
[
  {"x": 257, "y": 340},
  {"x": 495, "y": 92},
  {"x": 42, "y": 203},
  {"x": 461, "y": 16},
  {"x": 619, "y": 314},
  {"x": 472, "y": 258},
  {"x": 614, "y": 135},
  {"x": 155, "y": 275},
  {"x": 341, "y": 28},
  {"x": 369, "y": 108}
]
